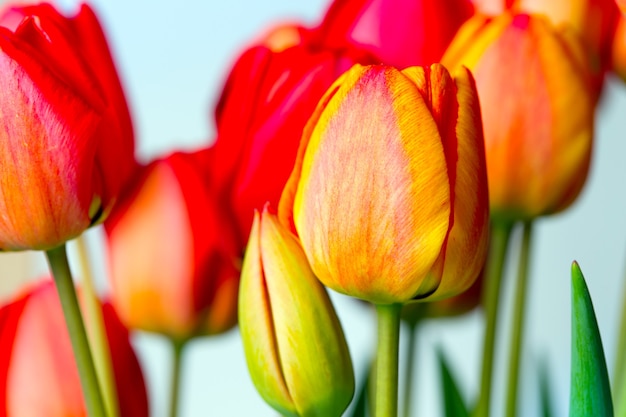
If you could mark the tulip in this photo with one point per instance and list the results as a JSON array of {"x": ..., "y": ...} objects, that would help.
[
  {"x": 38, "y": 376},
  {"x": 388, "y": 195},
  {"x": 595, "y": 21},
  {"x": 66, "y": 142},
  {"x": 401, "y": 33},
  {"x": 537, "y": 105},
  {"x": 267, "y": 99},
  {"x": 294, "y": 346},
  {"x": 172, "y": 253}
]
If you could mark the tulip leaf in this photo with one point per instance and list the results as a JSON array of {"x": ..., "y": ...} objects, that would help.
[
  {"x": 590, "y": 392},
  {"x": 361, "y": 401},
  {"x": 454, "y": 405},
  {"x": 545, "y": 392}
]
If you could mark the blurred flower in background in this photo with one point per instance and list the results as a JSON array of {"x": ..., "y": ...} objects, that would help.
[{"x": 38, "y": 375}]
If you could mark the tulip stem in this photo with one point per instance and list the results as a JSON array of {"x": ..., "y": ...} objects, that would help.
[
  {"x": 96, "y": 331},
  {"x": 517, "y": 326},
  {"x": 57, "y": 260},
  {"x": 387, "y": 359},
  {"x": 499, "y": 241},
  {"x": 177, "y": 359},
  {"x": 410, "y": 364}
]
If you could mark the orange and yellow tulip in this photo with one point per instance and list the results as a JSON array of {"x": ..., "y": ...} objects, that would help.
[
  {"x": 389, "y": 191},
  {"x": 295, "y": 348},
  {"x": 537, "y": 104}
]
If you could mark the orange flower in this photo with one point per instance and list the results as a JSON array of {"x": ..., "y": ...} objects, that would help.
[
  {"x": 593, "y": 20},
  {"x": 388, "y": 194},
  {"x": 537, "y": 106},
  {"x": 172, "y": 252},
  {"x": 296, "y": 351}
]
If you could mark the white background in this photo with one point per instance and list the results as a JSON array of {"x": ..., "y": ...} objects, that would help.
[{"x": 173, "y": 58}]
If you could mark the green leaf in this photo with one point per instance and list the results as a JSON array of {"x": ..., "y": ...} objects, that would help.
[
  {"x": 452, "y": 401},
  {"x": 545, "y": 392},
  {"x": 590, "y": 392}
]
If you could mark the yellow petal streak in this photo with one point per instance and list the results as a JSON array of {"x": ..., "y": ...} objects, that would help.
[{"x": 372, "y": 206}]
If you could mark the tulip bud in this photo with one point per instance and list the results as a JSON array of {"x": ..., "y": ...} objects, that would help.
[
  {"x": 537, "y": 104},
  {"x": 66, "y": 142},
  {"x": 295, "y": 349},
  {"x": 172, "y": 252},
  {"x": 388, "y": 194},
  {"x": 38, "y": 374}
]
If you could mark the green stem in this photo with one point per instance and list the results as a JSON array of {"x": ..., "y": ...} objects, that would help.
[
  {"x": 517, "y": 326},
  {"x": 499, "y": 241},
  {"x": 177, "y": 349},
  {"x": 410, "y": 364},
  {"x": 57, "y": 259},
  {"x": 619, "y": 374},
  {"x": 387, "y": 359},
  {"x": 96, "y": 331}
]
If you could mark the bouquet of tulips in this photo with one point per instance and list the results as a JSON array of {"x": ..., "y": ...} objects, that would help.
[{"x": 397, "y": 152}]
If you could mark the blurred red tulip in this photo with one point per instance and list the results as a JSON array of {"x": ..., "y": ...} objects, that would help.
[
  {"x": 266, "y": 102},
  {"x": 172, "y": 252},
  {"x": 38, "y": 375},
  {"x": 66, "y": 142},
  {"x": 400, "y": 33}
]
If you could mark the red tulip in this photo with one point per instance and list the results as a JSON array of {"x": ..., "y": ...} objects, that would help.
[
  {"x": 266, "y": 102},
  {"x": 38, "y": 375},
  {"x": 172, "y": 252},
  {"x": 401, "y": 33},
  {"x": 66, "y": 141}
]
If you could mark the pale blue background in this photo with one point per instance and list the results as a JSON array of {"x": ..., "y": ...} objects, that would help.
[{"x": 173, "y": 58}]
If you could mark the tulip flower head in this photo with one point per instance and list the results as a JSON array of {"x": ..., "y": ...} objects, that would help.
[
  {"x": 388, "y": 194},
  {"x": 66, "y": 143},
  {"x": 172, "y": 252},
  {"x": 295, "y": 349},
  {"x": 537, "y": 104},
  {"x": 38, "y": 374}
]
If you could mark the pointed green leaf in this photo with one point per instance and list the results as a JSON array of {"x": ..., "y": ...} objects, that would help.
[
  {"x": 545, "y": 392},
  {"x": 452, "y": 401},
  {"x": 590, "y": 392}
]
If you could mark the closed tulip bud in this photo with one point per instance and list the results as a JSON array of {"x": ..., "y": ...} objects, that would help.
[
  {"x": 388, "y": 195},
  {"x": 38, "y": 374},
  {"x": 295, "y": 349},
  {"x": 172, "y": 252},
  {"x": 400, "y": 33},
  {"x": 537, "y": 104},
  {"x": 66, "y": 141}
]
